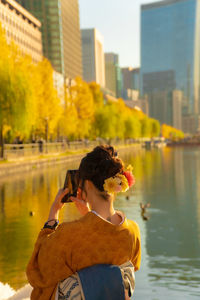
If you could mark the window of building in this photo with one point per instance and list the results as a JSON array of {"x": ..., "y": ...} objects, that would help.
[
  {"x": 37, "y": 5},
  {"x": 52, "y": 18},
  {"x": 54, "y": 26},
  {"x": 56, "y": 55}
]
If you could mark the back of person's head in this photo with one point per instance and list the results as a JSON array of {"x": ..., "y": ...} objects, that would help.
[{"x": 99, "y": 164}]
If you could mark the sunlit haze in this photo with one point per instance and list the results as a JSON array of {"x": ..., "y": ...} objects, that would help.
[{"x": 119, "y": 23}]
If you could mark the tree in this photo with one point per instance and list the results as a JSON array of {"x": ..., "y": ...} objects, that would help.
[
  {"x": 29, "y": 104},
  {"x": 107, "y": 122},
  {"x": 68, "y": 122},
  {"x": 132, "y": 127},
  {"x": 146, "y": 127},
  {"x": 103, "y": 123},
  {"x": 49, "y": 105},
  {"x": 155, "y": 128},
  {"x": 172, "y": 133},
  {"x": 15, "y": 104},
  {"x": 82, "y": 100},
  {"x": 97, "y": 94}
]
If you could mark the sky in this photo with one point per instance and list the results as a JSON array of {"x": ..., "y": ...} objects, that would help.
[{"x": 119, "y": 23}]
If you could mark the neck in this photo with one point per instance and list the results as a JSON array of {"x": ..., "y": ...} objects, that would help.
[{"x": 104, "y": 208}]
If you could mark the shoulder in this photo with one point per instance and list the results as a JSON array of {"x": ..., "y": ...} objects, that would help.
[
  {"x": 74, "y": 225},
  {"x": 133, "y": 227}
]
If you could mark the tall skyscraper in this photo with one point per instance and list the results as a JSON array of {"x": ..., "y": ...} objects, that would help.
[
  {"x": 130, "y": 81},
  {"x": 131, "y": 78},
  {"x": 170, "y": 56},
  {"x": 93, "y": 56},
  {"x": 60, "y": 33},
  {"x": 71, "y": 38},
  {"x": 113, "y": 74}
]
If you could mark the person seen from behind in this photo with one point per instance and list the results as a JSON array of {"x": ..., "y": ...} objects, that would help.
[{"x": 101, "y": 236}]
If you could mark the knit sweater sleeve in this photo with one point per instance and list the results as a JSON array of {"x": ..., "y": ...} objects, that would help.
[
  {"x": 136, "y": 251},
  {"x": 50, "y": 261}
]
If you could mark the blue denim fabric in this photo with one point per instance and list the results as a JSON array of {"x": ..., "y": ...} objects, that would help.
[{"x": 102, "y": 282}]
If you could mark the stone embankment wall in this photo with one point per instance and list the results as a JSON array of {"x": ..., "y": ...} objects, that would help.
[
  {"x": 11, "y": 168},
  {"x": 19, "y": 166}
]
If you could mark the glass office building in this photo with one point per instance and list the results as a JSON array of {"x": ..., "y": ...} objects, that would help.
[
  {"x": 113, "y": 74},
  {"x": 60, "y": 33},
  {"x": 49, "y": 14},
  {"x": 136, "y": 79},
  {"x": 170, "y": 55},
  {"x": 130, "y": 81}
]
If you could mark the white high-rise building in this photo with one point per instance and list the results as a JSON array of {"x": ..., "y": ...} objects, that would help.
[
  {"x": 93, "y": 56},
  {"x": 22, "y": 28}
]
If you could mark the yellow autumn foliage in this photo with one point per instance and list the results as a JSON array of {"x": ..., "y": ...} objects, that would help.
[
  {"x": 172, "y": 133},
  {"x": 30, "y": 106}
]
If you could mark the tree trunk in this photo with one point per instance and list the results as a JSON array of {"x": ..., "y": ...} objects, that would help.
[
  {"x": 47, "y": 134},
  {"x": 1, "y": 142},
  {"x": 46, "y": 131},
  {"x": 58, "y": 133}
]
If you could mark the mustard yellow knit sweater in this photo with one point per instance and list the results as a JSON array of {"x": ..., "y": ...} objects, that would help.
[{"x": 75, "y": 245}]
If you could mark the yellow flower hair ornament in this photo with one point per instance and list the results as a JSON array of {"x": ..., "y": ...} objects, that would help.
[
  {"x": 116, "y": 184},
  {"x": 119, "y": 182}
]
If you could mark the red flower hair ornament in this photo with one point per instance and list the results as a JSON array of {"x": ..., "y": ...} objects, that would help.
[
  {"x": 121, "y": 182},
  {"x": 129, "y": 176}
]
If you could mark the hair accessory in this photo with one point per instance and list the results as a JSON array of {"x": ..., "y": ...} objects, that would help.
[
  {"x": 119, "y": 182},
  {"x": 129, "y": 175}
]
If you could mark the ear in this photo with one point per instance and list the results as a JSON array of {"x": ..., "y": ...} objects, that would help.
[{"x": 88, "y": 184}]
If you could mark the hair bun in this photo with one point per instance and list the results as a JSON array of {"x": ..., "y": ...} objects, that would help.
[{"x": 100, "y": 164}]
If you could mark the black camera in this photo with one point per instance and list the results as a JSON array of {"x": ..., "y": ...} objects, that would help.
[{"x": 71, "y": 182}]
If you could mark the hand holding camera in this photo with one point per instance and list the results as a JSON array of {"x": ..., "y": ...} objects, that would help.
[
  {"x": 69, "y": 193},
  {"x": 81, "y": 205},
  {"x": 74, "y": 192},
  {"x": 72, "y": 183},
  {"x": 57, "y": 204}
]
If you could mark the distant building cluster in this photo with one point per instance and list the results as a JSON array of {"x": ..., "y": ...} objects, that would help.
[
  {"x": 166, "y": 86},
  {"x": 170, "y": 62}
]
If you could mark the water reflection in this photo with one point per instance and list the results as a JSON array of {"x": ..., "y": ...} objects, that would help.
[
  {"x": 168, "y": 179},
  {"x": 18, "y": 230},
  {"x": 172, "y": 235},
  {"x": 2, "y": 199}
]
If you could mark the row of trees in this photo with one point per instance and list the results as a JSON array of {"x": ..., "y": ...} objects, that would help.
[
  {"x": 171, "y": 133},
  {"x": 30, "y": 107},
  {"x": 94, "y": 117},
  {"x": 28, "y": 101}
]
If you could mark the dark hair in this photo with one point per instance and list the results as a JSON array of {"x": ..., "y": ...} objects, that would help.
[{"x": 99, "y": 164}]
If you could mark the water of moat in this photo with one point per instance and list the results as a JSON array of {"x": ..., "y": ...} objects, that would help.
[{"x": 168, "y": 178}]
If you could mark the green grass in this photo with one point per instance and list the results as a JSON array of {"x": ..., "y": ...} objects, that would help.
[{"x": 4, "y": 161}]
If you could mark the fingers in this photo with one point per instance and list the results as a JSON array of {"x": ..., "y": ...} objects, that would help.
[
  {"x": 65, "y": 191},
  {"x": 79, "y": 194},
  {"x": 81, "y": 205},
  {"x": 61, "y": 193},
  {"x": 77, "y": 200}
]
